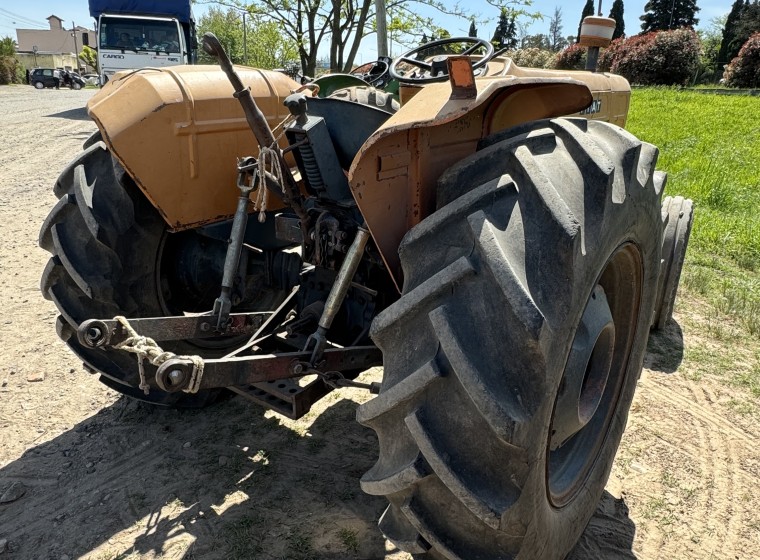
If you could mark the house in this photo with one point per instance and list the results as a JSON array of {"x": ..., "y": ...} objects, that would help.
[{"x": 56, "y": 47}]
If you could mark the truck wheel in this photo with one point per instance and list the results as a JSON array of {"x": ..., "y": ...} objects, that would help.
[
  {"x": 512, "y": 356},
  {"x": 39, "y": 85},
  {"x": 112, "y": 255},
  {"x": 677, "y": 214},
  {"x": 76, "y": 85}
]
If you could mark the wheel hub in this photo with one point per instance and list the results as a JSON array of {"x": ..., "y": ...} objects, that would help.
[
  {"x": 588, "y": 367},
  {"x": 595, "y": 372}
]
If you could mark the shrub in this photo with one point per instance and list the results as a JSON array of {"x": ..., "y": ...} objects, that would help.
[
  {"x": 9, "y": 70},
  {"x": 659, "y": 58},
  {"x": 571, "y": 58},
  {"x": 606, "y": 56},
  {"x": 20, "y": 73},
  {"x": 532, "y": 57},
  {"x": 744, "y": 70}
]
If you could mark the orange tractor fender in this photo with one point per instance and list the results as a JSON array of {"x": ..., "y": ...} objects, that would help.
[{"x": 393, "y": 177}]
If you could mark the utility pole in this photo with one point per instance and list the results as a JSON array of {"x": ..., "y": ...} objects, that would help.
[
  {"x": 245, "y": 42},
  {"x": 382, "y": 29},
  {"x": 76, "y": 48}
]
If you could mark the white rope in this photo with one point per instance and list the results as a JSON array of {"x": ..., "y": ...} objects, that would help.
[
  {"x": 268, "y": 162},
  {"x": 147, "y": 348},
  {"x": 286, "y": 121}
]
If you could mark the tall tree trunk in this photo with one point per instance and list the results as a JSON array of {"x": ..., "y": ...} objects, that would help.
[{"x": 366, "y": 5}]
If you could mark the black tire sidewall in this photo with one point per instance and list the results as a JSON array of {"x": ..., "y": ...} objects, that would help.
[
  {"x": 558, "y": 529},
  {"x": 136, "y": 287}
]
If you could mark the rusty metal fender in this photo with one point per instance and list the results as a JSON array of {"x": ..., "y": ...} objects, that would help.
[
  {"x": 393, "y": 176},
  {"x": 178, "y": 132}
]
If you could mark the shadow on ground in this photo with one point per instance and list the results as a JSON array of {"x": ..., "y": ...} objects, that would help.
[
  {"x": 228, "y": 482},
  {"x": 665, "y": 349},
  {"x": 78, "y": 114}
]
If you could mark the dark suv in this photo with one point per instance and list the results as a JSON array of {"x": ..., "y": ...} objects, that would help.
[{"x": 51, "y": 77}]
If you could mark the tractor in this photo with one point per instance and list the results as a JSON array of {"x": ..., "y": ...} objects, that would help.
[{"x": 496, "y": 241}]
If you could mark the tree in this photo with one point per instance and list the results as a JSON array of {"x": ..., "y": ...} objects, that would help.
[
  {"x": 10, "y": 69},
  {"x": 537, "y": 41},
  {"x": 265, "y": 46},
  {"x": 500, "y": 33},
  {"x": 511, "y": 36},
  {"x": 710, "y": 38},
  {"x": 748, "y": 25},
  {"x": 588, "y": 10},
  {"x": 505, "y": 35},
  {"x": 89, "y": 56},
  {"x": 669, "y": 14},
  {"x": 616, "y": 13},
  {"x": 727, "y": 45},
  {"x": 7, "y": 46},
  {"x": 473, "y": 30},
  {"x": 343, "y": 23},
  {"x": 555, "y": 30},
  {"x": 227, "y": 26}
]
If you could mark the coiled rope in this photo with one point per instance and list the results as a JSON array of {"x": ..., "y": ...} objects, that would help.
[{"x": 147, "y": 349}]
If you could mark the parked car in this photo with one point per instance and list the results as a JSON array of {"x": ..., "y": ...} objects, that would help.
[
  {"x": 91, "y": 79},
  {"x": 55, "y": 77}
]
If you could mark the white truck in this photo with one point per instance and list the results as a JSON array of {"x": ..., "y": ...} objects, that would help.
[{"x": 143, "y": 33}]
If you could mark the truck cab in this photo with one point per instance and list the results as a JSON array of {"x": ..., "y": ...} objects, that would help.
[{"x": 134, "y": 35}]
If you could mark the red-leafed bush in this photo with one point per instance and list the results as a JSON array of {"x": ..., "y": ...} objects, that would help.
[
  {"x": 606, "y": 56},
  {"x": 660, "y": 58},
  {"x": 744, "y": 70},
  {"x": 571, "y": 58}
]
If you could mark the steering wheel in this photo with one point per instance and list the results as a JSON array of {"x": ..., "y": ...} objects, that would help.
[
  {"x": 374, "y": 73},
  {"x": 436, "y": 70}
]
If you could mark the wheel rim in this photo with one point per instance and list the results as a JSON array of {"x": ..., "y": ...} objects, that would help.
[
  {"x": 594, "y": 376},
  {"x": 167, "y": 265}
]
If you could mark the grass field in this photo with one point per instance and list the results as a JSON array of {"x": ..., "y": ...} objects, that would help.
[{"x": 710, "y": 148}]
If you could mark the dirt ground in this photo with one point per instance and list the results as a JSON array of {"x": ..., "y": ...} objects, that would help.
[{"x": 86, "y": 473}]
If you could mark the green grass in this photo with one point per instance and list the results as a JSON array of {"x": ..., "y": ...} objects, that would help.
[
  {"x": 349, "y": 539},
  {"x": 710, "y": 147}
]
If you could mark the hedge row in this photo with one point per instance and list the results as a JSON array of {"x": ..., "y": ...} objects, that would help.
[
  {"x": 665, "y": 57},
  {"x": 659, "y": 58}
]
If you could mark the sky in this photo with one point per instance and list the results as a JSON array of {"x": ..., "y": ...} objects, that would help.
[{"x": 31, "y": 14}]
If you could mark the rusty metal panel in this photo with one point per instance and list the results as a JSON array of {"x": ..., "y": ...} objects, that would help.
[
  {"x": 396, "y": 191},
  {"x": 178, "y": 132}
]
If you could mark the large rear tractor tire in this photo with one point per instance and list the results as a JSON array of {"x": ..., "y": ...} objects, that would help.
[
  {"x": 110, "y": 257},
  {"x": 511, "y": 358}
]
